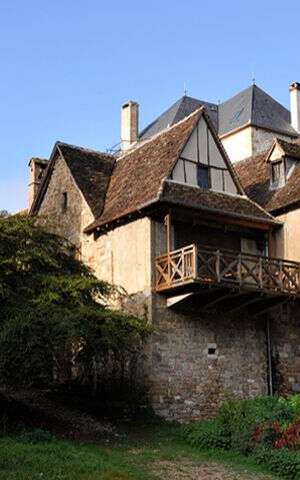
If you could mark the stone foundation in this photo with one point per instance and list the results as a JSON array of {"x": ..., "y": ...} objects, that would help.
[{"x": 194, "y": 364}]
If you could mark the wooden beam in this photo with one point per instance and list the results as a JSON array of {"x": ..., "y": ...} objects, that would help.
[{"x": 168, "y": 231}]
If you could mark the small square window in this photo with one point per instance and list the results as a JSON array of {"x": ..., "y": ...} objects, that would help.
[
  {"x": 64, "y": 202},
  {"x": 203, "y": 177},
  {"x": 211, "y": 351}
]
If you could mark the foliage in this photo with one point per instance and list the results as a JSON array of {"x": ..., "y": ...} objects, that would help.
[
  {"x": 282, "y": 462},
  {"x": 207, "y": 434},
  {"x": 240, "y": 418},
  {"x": 139, "y": 454},
  {"x": 54, "y": 317},
  {"x": 267, "y": 428}
]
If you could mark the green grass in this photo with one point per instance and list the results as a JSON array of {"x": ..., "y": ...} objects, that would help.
[{"x": 131, "y": 456}]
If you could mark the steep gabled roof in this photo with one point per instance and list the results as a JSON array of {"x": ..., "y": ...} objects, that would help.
[
  {"x": 252, "y": 106},
  {"x": 254, "y": 174},
  {"x": 177, "y": 112},
  {"x": 90, "y": 169},
  {"x": 140, "y": 179},
  {"x": 137, "y": 176}
]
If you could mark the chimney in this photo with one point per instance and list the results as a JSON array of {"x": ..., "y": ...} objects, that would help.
[
  {"x": 129, "y": 124},
  {"x": 295, "y": 105},
  {"x": 37, "y": 167}
]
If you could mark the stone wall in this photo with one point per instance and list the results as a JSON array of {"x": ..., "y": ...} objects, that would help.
[
  {"x": 194, "y": 363},
  {"x": 285, "y": 336},
  {"x": 69, "y": 222},
  {"x": 188, "y": 382}
]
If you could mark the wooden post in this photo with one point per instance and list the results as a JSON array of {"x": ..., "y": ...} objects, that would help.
[
  {"x": 270, "y": 244},
  {"x": 168, "y": 231}
]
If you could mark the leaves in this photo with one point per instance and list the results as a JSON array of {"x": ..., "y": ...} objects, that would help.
[{"x": 54, "y": 312}]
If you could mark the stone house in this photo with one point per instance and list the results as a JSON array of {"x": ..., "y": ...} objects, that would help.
[{"x": 197, "y": 218}]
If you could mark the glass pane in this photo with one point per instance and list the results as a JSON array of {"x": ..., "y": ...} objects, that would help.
[
  {"x": 191, "y": 173},
  {"x": 202, "y": 177}
]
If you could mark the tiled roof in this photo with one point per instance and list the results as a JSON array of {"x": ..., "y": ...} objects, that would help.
[
  {"x": 215, "y": 202},
  {"x": 250, "y": 106},
  {"x": 139, "y": 179},
  {"x": 90, "y": 169},
  {"x": 137, "y": 176},
  {"x": 291, "y": 149},
  {"x": 254, "y": 174}
]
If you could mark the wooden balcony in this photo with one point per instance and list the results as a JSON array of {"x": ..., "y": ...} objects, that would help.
[{"x": 224, "y": 268}]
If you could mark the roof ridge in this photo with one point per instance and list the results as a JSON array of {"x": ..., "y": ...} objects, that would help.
[{"x": 83, "y": 149}]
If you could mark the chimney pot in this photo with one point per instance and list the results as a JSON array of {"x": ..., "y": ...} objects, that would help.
[
  {"x": 129, "y": 124},
  {"x": 295, "y": 105}
]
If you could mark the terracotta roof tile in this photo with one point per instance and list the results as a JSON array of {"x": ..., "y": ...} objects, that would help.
[
  {"x": 254, "y": 175},
  {"x": 208, "y": 200}
]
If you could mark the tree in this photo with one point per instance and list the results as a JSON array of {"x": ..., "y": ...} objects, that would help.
[{"x": 53, "y": 310}]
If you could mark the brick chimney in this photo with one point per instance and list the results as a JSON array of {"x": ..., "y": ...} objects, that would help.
[
  {"x": 37, "y": 167},
  {"x": 295, "y": 105},
  {"x": 129, "y": 124}
]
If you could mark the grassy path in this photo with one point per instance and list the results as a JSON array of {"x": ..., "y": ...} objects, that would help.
[{"x": 142, "y": 452}]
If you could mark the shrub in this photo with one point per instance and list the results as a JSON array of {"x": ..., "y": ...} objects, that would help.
[
  {"x": 241, "y": 418},
  {"x": 293, "y": 403},
  {"x": 282, "y": 462},
  {"x": 207, "y": 434}
]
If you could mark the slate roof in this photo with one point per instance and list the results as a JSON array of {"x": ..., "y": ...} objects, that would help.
[
  {"x": 90, "y": 169},
  {"x": 250, "y": 106},
  {"x": 139, "y": 179},
  {"x": 177, "y": 112},
  {"x": 254, "y": 174}
]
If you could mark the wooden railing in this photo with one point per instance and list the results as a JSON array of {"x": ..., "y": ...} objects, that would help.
[{"x": 209, "y": 266}]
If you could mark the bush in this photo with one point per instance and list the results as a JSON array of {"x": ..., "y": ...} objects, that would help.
[
  {"x": 239, "y": 418},
  {"x": 207, "y": 434},
  {"x": 282, "y": 462},
  {"x": 266, "y": 427}
]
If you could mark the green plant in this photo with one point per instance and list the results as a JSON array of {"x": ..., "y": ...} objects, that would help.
[
  {"x": 240, "y": 418},
  {"x": 207, "y": 434},
  {"x": 54, "y": 314},
  {"x": 294, "y": 404},
  {"x": 282, "y": 462}
]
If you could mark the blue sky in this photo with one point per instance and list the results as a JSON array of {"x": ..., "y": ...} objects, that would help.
[{"x": 68, "y": 65}]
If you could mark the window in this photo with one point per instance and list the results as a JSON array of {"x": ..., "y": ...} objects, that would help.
[
  {"x": 277, "y": 172},
  {"x": 64, "y": 202},
  {"x": 203, "y": 177}
]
